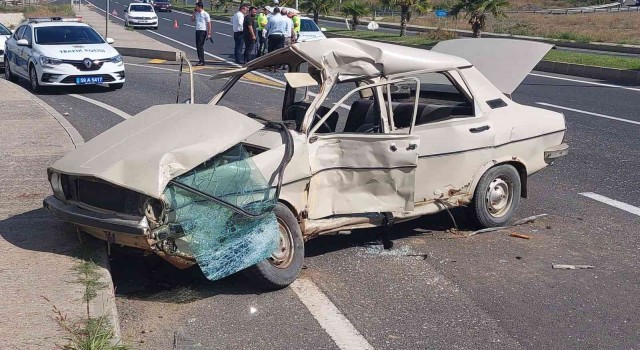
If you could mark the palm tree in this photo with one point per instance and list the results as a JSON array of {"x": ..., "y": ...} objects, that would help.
[
  {"x": 405, "y": 10},
  {"x": 316, "y": 7},
  {"x": 355, "y": 9},
  {"x": 477, "y": 10}
]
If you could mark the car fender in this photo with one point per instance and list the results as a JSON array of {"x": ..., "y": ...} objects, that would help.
[{"x": 515, "y": 161}]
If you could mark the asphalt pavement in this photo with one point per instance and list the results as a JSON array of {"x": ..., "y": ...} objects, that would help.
[{"x": 434, "y": 289}]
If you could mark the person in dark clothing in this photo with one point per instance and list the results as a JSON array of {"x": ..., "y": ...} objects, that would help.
[
  {"x": 203, "y": 30},
  {"x": 276, "y": 29},
  {"x": 236, "y": 21},
  {"x": 249, "y": 32}
]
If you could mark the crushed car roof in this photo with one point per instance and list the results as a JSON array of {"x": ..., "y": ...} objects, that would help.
[{"x": 359, "y": 58}]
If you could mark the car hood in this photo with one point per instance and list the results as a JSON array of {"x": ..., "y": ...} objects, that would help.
[
  {"x": 146, "y": 151},
  {"x": 505, "y": 62},
  {"x": 78, "y": 52}
]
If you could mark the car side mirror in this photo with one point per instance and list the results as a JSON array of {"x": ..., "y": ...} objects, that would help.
[
  {"x": 22, "y": 42},
  {"x": 110, "y": 41},
  {"x": 323, "y": 29}
]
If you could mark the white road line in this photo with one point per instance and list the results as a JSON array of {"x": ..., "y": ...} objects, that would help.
[
  {"x": 589, "y": 113},
  {"x": 231, "y": 36},
  {"x": 612, "y": 202},
  {"x": 114, "y": 110},
  {"x": 343, "y": 333},
  {"x": 188, "y": 25},
  {"x": 166, "y": 19},
  {"x": 213, "y": 20},
  {"x": 586, "y": 82}
]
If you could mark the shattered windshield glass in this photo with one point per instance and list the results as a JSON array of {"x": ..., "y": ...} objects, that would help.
[{"x": 225, "y": 211}]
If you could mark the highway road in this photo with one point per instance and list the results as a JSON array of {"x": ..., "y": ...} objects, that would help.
[{"x": 434, "y": 289}]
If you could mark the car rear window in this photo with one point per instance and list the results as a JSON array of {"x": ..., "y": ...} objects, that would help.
[
  {"x": 307, "y": 25},
  {"x": 141, "y": 8},
  {"x": 67, "y": 35},
  {"x": 4, "y": 30}
]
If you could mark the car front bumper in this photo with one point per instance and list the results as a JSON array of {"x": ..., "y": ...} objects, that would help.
[
  {"x": 143, "y": 22},
  {"x": 108, "y": 227},
  {"x": 66, "y": 74}
]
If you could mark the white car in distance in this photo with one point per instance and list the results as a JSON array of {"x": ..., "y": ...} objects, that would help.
[
  {"x": 309, "y": 30},
  {"x": 61, "y": 52},
  {"x": 5, "y": 34},
  {"x": 140, "y": 15}
]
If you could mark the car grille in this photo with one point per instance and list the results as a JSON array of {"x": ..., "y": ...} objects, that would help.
[
  {"x": 103, "y": 195},
  {"x": 106, "y": 78},
  {"x": 95, "y": 65}
]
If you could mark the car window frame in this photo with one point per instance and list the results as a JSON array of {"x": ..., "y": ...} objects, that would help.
[
  {"x": 24, "y": 36},
  {"x": 8, "y": 30},
  {"x": 17, "y": 35}
]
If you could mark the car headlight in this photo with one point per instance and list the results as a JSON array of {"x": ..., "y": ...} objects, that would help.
[
  {"x": 116, "y": 59},
  {"x": 49, "y": 62},
  {"x": 56, "y": 185}
]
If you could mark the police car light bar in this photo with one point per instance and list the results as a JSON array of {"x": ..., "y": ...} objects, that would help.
[{"x": 54, "y": 19}]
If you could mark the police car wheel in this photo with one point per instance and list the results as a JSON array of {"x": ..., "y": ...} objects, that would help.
[
  {"x": 116, "y": 86},
  {"x": 33, "y": 79},
  {"x": 8, "y": 74}
]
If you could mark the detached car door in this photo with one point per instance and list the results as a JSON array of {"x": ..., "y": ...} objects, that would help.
[{"x": 359, "y": 170}]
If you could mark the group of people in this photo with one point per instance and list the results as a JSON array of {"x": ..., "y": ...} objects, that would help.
[{"x": 270, "y": 31}]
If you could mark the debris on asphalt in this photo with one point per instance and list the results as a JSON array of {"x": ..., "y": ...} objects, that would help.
[
  {"x": 253, "y": 310},
  {"x": 528, "y": 220},
  {"x": 518, "y": 235},
  {"x": 571, "y": 267}
]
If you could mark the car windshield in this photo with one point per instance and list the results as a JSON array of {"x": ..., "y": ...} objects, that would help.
[
  {"x": 66, "y": 35},
  {"x": 141, "y": 8},
  {"x": 4, "y": 30},
  {"x": 307, "y": 25}
]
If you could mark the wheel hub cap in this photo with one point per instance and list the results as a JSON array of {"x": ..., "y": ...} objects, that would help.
[
  {"x": 283, "y": 255},
  {"x": 499, "y": 197}
]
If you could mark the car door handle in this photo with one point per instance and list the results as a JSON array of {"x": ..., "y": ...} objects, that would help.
[
  {"x": 412, "y": 146},
  {"x": 480, "y": 129}
]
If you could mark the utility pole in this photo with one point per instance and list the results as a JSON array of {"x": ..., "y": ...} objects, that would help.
[
  {"x": 296, "y": 4},
  {"x": 106, "y": 23}
]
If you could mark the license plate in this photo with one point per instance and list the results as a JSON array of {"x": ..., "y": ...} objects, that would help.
[{"x": 88, "y": 80}]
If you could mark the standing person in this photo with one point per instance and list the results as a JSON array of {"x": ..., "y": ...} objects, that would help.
[
  {"x": 262, "y": 21},
  {"x": 276, "y": 28},
  {"x": 203, "y": 30},
  {"x": 249, "y": 33},
  {"x": 237, "y": 22},
  {"x": 295, "y": 18},
  {"x": 288, "y": 35}
]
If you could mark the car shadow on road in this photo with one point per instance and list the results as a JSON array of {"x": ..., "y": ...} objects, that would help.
[
  {"x": 65, "y": 90},
  {"x": 439, "y": 222}
]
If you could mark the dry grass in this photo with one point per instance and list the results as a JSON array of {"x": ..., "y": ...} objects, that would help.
[{"x": 618, "y": 28}]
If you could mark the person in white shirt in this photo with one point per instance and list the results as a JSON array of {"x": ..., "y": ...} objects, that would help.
[
  {"x": 203, "y": 30},
  {"x": 276, "y": 29},
  {"x": 289, "y": 35},
  {"x": 236, "y": 22}
]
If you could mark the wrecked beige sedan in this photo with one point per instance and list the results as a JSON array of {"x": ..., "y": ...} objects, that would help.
[{"x": 362, "y": 135}]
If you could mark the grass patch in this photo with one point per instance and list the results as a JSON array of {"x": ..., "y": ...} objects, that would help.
[
  {"x": 618, "y": 62},
  {"x": 41, "y": 11},
  {"x": 431, "y": 38}
]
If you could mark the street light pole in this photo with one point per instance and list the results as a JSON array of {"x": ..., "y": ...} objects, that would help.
[{"x": 106, "y": 23}]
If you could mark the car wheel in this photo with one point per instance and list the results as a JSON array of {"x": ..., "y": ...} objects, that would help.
[
  {"x": 117, "y": 86},
  {"x": 497, "y": 196},
  {"x": 283, "y": 267},
  {"x": 7, "y": 72},
  {"x": 33, "y": 79},
  {"x": 155, "y": 28}
]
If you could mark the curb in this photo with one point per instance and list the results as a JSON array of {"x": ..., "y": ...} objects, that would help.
[
  {"x": 623, "y": 76},
  {"x": 620, "y": 48}
]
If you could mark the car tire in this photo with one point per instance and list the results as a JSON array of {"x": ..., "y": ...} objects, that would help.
[
  {"x": 282, "y": 269},
  {"x": 155, "y": 28},
  {"x": 117, "y": 86},
  {"x": 33, "y": 79},
  {"x": 497, "y": 196},
  {"x": 8, "y": 74}
]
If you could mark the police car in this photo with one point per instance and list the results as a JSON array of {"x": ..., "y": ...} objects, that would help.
[
  {"x": 5, "y": 33},
  {"x": 61, "y": 52}
]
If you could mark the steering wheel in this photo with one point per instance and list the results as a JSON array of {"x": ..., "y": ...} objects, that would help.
[{"x": 323, "y": 128}]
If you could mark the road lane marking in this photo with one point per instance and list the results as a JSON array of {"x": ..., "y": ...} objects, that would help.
[
  {"x": 343, "y": 333},
  {"x": 589, "y": 113},
  {"x": 188, "y": 25},
  {"x": 166, "y": 19},
  {"x": 157, "y": 61},
  {"x": 111, "y": 109},
  {"x": 586, "y": 82},
  {"x": 612, "y": 202},
  {"x": 231, "y": 36}
]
